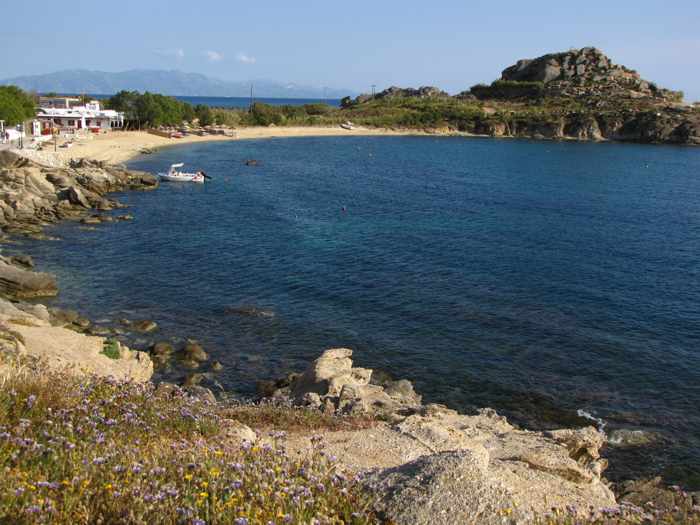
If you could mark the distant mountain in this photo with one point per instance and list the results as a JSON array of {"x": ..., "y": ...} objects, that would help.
[{"x": 165, "y": 82}]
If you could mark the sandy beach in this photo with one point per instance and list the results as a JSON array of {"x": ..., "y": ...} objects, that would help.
[{"x": 120, "y": 146}]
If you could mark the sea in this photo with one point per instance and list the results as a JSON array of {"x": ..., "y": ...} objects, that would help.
[
  {"x": 244, "y": 102},
  {"x": 556, "y": 282}
]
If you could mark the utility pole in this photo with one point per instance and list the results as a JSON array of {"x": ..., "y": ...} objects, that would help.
[{"x": 373, "y": 87}]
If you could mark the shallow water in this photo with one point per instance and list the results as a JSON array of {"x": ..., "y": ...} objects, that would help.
[{"x": 538, "y": 278}]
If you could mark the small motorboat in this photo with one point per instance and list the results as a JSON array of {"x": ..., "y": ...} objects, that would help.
[{"x": 175, "y": 175}]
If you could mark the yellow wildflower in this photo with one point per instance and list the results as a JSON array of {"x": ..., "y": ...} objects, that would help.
[
  {"x": 188, "y": 477},
  {"x": 204, "y": 484},
  {"x": 108, "y": 486},
  {"x": 203, "y": 495}
]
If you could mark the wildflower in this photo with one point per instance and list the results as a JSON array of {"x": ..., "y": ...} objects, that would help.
[
  {"x": 188, "y": 477},
  {"x": 33, "y": 509},
  {"x": 198, "y": 521},
  {"x": 203, "y": 495},
  {"x": 241, "y": 521},
  {"x": 30, "y": 401},
  {"x": 98, "y": 461}
]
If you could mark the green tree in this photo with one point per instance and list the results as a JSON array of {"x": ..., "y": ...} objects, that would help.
[
  {"x": 204, "y": 115},
  {"x": 16, "y": 106}
]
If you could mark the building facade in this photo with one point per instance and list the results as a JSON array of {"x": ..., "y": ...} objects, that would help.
[{"x": 69, "y": 120}]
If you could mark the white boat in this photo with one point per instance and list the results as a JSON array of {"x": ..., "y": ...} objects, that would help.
[{"x": 175, "y": 175}]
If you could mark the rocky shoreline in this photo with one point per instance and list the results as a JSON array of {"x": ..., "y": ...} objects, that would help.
[{"x": 425, "y": 463}]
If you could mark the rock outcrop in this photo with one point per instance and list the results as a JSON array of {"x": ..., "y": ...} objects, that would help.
[
  {"x": 432, "y": 465},
  {"x": 33, "y": 195},
  {"x": 332, "y": 383},
  {"x": 585, "y": 71},
  {"x": 30, "y": 333},
  {"x": 423, "y": 92}
]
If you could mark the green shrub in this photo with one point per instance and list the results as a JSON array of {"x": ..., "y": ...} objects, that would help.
[{"x": 111, "y": 349}]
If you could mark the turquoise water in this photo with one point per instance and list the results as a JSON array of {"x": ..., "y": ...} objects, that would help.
[{"x": 538, "y": 278}]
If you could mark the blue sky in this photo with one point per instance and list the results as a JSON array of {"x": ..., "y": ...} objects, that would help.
[{"x": 451, "y": 44}]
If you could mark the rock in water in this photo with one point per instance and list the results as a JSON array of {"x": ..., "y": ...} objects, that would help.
[
  {"x": 630, "y": 438},
  {"x": 145, "y": 326},
  {"x": 193, "y": 351}
]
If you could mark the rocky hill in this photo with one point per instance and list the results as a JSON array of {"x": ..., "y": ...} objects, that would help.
[
  {"x": 578, "y": 94},
  {"x": 586, "y": 72}
]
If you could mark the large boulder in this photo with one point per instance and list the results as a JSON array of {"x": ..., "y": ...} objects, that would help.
[
  {"x": 332, "y": 382},
  {"x": 328, "y": 374},
  {"x": 445, "y": 488}
]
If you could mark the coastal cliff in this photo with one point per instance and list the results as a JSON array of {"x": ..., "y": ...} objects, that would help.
[{"x": 577, "y": 95}]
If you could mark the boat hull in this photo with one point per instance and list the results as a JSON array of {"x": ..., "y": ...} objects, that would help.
[{"x": 199, "y": 179}]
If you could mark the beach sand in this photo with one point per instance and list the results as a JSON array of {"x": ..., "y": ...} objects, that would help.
[{"x": 120, "y": 146}]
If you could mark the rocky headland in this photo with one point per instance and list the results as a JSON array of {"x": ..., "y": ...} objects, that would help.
[
  {"x": 418, "y": 463},
  {"x": 578, "y": 94}
]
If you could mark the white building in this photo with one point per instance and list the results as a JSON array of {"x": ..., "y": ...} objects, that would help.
[{"x": 89, "y": 117}]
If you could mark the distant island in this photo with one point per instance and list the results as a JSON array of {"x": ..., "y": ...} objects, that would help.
[{"x": 175, "y": 83}]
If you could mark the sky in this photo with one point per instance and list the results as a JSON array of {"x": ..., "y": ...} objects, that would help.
[{"x": 352, "y": 45}]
